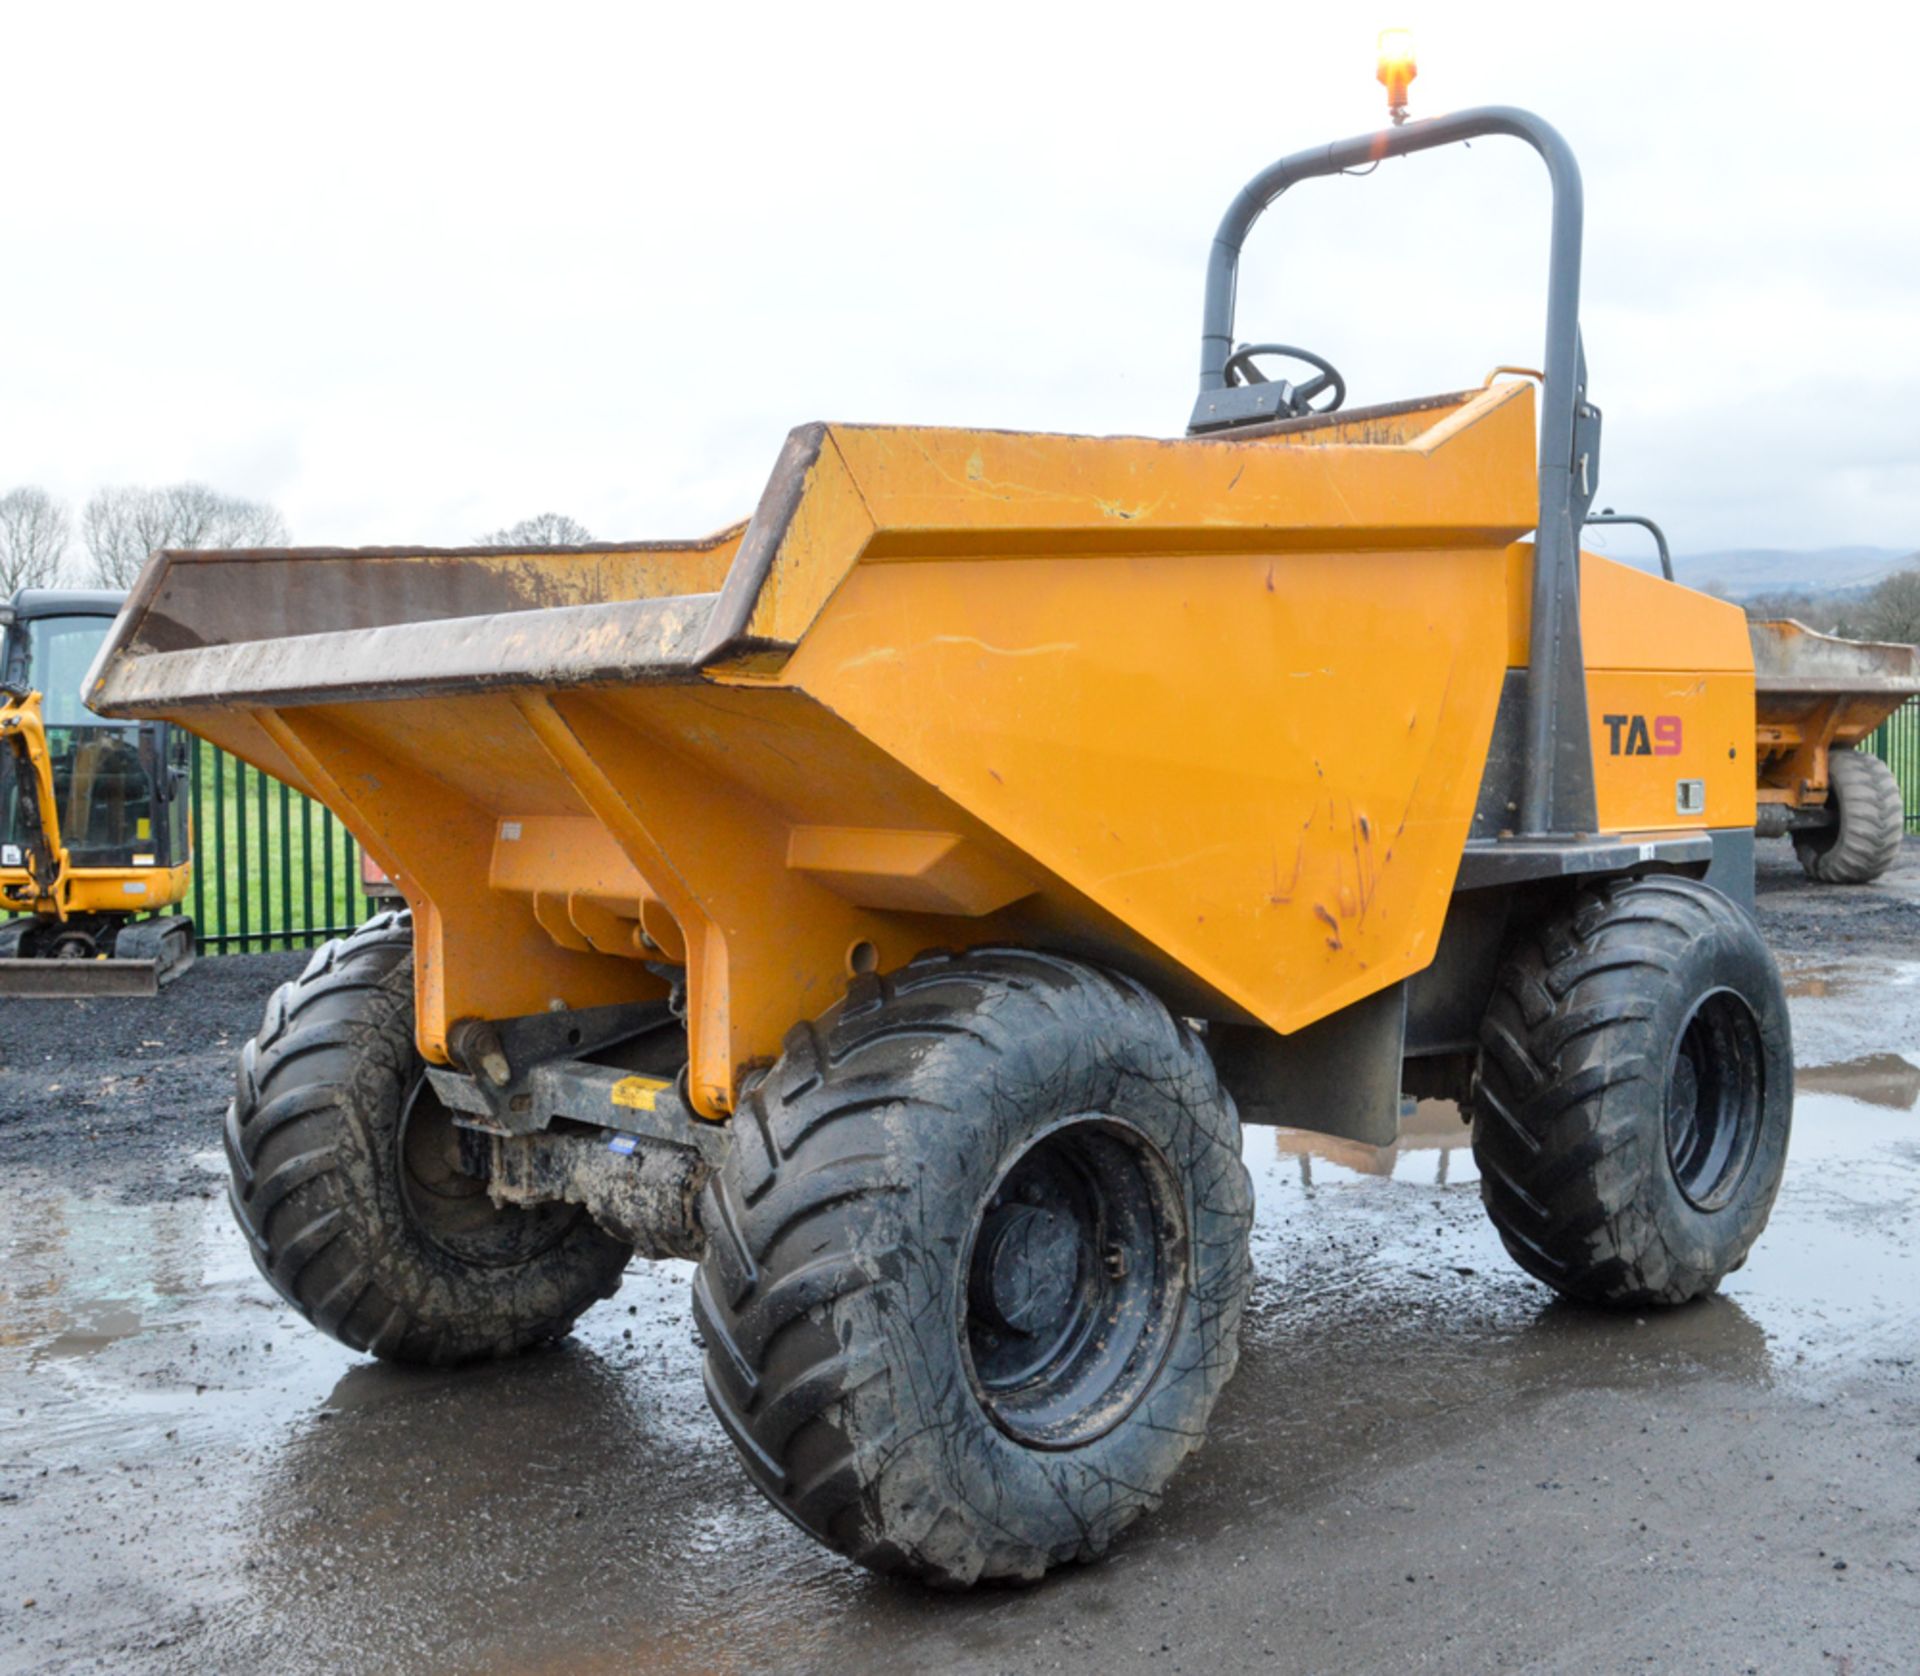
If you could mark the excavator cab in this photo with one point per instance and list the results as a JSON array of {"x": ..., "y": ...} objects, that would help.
[{"x": 95, "y": 825}]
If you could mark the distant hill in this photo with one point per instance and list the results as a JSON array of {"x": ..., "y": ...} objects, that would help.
[{"x": 1741, "y": 573}]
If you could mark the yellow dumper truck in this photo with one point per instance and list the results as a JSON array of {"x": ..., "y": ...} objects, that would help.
[{"x": 899, "y": 901}]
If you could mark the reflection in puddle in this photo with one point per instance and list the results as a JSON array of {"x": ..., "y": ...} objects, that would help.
[
  {"x": 1880, "y": 1079},
  {"x": 1435, "y": 1143},
  {"x": 109, "y": 1324},
  {"x": 79, "y": 1274},
  {"x": 1815, "y": 978},
  {"x": 1433, "y": 1146}
]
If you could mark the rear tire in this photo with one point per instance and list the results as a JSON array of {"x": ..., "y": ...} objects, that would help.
[
  {"x": 975, "y": 1266},
  {"x": 1634, "y": 1094},
  {"x": 343, "y": 1179},
  {"x": 1869, "y": 822}
]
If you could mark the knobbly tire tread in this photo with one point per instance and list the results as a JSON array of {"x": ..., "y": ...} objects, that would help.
[
  {"x": 822, "y": 1302},
  {"x": 312, "y": 1136},
  {"x": 1870, "y": 822},
  {"x": 1569, "y": 1111}
]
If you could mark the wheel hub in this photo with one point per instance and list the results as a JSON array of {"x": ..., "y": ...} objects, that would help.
[
  {"x": 1716, "y": 1093},
  {"x": 453, "y": 1209},
  {"x": 1031, "y": 1268},
  {"x": 1075, "y": 1281}
]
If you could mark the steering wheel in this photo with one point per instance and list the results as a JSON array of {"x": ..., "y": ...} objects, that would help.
[{"x": 1296, "y": 399}]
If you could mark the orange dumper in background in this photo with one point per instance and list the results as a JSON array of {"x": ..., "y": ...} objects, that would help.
[{"x": 1816, "y": 699}]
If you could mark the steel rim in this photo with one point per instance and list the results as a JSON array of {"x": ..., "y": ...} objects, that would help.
[
  {"x": 451, "y": 1209},
  {"x": 1716, "y": 1094},
  {"x": 1074, "y": 1280}
]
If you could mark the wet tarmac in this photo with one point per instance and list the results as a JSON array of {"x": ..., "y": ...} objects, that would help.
[{"x": 1424, "y": 1463}]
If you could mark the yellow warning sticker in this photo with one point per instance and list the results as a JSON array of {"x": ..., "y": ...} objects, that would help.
[
  {"x": 143, "y": 827},
  {"x": 638, "y": 1093}
]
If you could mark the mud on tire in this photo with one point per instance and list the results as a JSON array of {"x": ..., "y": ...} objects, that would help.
[
  {"x": 342, "y": 1179},
  {"x": 1634, "y": 1094},
  {"x": 976, "y": 1265},
  {"x": 1869, "y": 822}
]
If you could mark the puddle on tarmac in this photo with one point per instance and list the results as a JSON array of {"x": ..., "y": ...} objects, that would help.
[
  {"x": 149, "y": 1382},
  {"x": 1831, "y": 1281},
  {"x": 1813, "y": 977},
  {"x": 149, "y": 1378},
  {"x": 1878, "y": 1079},
  {"x": 1433, "y": 1147}
]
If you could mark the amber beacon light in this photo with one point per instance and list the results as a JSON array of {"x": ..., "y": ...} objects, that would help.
[{"x": 1397, "y": 69}]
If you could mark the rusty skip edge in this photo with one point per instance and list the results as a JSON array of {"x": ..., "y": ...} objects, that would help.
[
  {"x": 1789, "y": 657},
  {"x": 655, "y": 639},
  {"x": 142, "y": 673},
  {"x": 1891, "y": 687}
]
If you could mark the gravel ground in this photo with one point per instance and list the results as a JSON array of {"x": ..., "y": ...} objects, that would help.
[
  {"x": 115, "y": 1095},
  {"x": 1878, "y": 919},
  {"x": 1425, "y": 1462}
]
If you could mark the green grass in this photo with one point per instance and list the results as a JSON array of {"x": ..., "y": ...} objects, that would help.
[{"x": 278, "y": 872}]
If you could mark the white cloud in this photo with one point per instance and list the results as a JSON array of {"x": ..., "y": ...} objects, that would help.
[{"x": 414, "y": 272}]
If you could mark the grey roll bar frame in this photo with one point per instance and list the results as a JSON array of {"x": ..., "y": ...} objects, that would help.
[
  {"x": 1557, "y": 792},
  {"x": 1607, "y": 515}
]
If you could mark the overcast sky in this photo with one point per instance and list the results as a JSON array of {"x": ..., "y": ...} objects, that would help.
[{"x": 412, "y": 273}]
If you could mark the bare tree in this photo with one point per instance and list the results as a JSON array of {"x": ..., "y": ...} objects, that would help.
[
  {"x": 546, "y": 529},
  {"x": 34, "y": 532},
  {"x": 1892, "y": 610},
  {"x": 1829, "y": 613},
  {"x": 122, "y": 526}
]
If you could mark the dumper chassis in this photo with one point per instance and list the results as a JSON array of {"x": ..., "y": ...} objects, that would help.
[{"x": 899, "y": 903}]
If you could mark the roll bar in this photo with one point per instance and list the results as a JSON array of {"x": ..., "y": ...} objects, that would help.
[
  {"x": 1557, "y": 796},
  {"x": 1607, "y": 515}
]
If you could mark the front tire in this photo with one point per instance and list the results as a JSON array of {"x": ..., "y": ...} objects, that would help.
[
  {"x": 975, "y": 1266},
  {"x": 345, "y": 1179},
  {"x": 1869, "y": 822},
  {"x": 1634, "y": 1094}
]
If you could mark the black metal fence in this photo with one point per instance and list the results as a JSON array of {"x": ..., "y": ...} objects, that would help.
[
  {"x": 1896, "y": 741},
  {"x": 274, "y": 870},
  {"x": 271, "y": 869}
]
